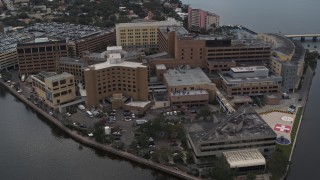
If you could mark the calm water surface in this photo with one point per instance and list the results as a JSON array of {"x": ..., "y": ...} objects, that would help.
[
  {"x": 286, "y": 16},
  {"x": 32, "y": 149}
]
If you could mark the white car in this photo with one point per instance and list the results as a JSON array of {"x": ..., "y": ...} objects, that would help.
[
  {"x": 175, "y": 113},
  {"x": 19, "y": 91},
  {"x": 50, "y": 113},
  {"x": 68, "y": 114},
  {"x": 133, "y": 115}
]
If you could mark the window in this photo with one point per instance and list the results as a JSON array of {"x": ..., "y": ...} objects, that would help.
[
  {"x": 62, "y": 81},
  {"x": 55, "y": 83}
]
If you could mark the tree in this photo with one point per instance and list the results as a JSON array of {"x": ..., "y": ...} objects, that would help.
[
  {"x": 98, "y": 133},
  {"x": 277, "y": 164},
  {"x": 251, "y": 176},
  {"x": 205, "y": 113},
  {"x": 221, "y": 170}
]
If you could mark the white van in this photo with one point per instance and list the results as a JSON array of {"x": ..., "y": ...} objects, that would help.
[
  {"x": 90, "y": 114},
  {"x": 81, "y": 107}
]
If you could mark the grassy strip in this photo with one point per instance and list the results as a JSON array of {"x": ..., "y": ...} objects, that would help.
[{"x": 286, "y": 149}]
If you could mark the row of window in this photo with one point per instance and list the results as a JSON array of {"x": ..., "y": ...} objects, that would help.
[
  {"x": 238, "y": 147},
  {"x": 41, "y": 49},
  {"x": 114, "y": 89},
  {"x": 61, "y": 82},
  {"x": 254, "y": 92},
  {"x": 69, "y": 91},
  {"x": 119, "y": 85},
  {"x": 239, "y": 141},
  {"x": 240, "y": 49}
]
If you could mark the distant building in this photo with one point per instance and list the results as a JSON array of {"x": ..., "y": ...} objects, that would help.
[
  {"x": 141, "y": 34},
  {"x": 254, "y": 80},
  {"x": 242, "y": 130},
  {"x": 40, "y": 55},
  {"x": 202, "y": 19},
  {"x": 188, "y": 87},
  {"x": 116, "y": 77},
  {"x": 54, "y": 89}
]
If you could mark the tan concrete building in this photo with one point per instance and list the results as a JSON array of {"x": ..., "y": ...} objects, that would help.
[
  {"x": 208, "y": 52},
  {"x": 141, "y": 34},
  {"x": 287, "y": 60},
  {"x": 254, "y": 80},
  {"x": 8, "y": 59},
  {"x": 40, "y": 55},
  {"x": 94, "y": 42},
  {"x": 80, "y": 38},
  {"x": 54, "y": 89},
  {"x": 189, "y": 86},
  {"x": 116, "y": 76}
]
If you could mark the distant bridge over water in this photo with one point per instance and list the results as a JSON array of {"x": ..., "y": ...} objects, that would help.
[{"x": 303, "y": 36}]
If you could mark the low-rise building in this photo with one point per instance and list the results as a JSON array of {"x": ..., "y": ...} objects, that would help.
[
  {"x": 54, "y": 89},
  {"x": 246, "y": 161},
  {"x": 242, "y": 130},
  {"x": 254, "y": 80},
  {"x": 189, "y": 86}
]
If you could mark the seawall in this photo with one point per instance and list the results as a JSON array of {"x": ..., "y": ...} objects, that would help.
[{"x": 93, "y": 144}]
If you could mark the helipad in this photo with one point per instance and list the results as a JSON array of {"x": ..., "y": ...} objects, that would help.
[{"x": 287, "y": 118}]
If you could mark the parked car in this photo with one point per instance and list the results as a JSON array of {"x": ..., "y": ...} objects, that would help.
[
  {"x": 68, "y": 114},
  {"x": 81, "y": 107}
]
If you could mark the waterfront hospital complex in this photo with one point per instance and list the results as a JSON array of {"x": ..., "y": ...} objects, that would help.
[{"x": 160, "y": 64}]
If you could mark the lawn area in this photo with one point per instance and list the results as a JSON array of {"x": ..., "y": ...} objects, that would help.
[{"x": 286, "y": 149}]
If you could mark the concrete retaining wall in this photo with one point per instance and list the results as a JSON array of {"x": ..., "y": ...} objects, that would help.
[{"x": 91, "y": 143}]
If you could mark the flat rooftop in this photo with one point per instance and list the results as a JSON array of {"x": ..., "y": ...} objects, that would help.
[
  {"x": 248, "y": 69},
  {"x": 159, "y": 55},
  {"x": 161, "y": 67},
  {"x": 179, "y": 30},
  {"x": 188, "y": 93},
  {"x": 253, "y": 127},
  {"x": 64, "y": 31},
  {"x": 9, "y": 41},
  {"x": 169, "y": 22},
  {"x": 141, "y": 104},
  {"x": 58, "y": 77},
  {"x": 108, "y": 64},
  {"x": 230, "y": 80},
  {"x": 185, "y": 77},
  {"x": 244, "y": 158}
]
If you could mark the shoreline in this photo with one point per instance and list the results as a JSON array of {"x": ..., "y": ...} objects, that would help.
[
  {"x": 95, "y": 145},
  {"x": 298, "y": 128}
]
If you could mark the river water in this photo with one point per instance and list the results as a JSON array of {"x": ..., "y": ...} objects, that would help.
[{"x": 33, "y": 149}]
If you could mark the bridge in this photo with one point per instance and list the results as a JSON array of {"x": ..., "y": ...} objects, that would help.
[{"x": 303, "y": 36}]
